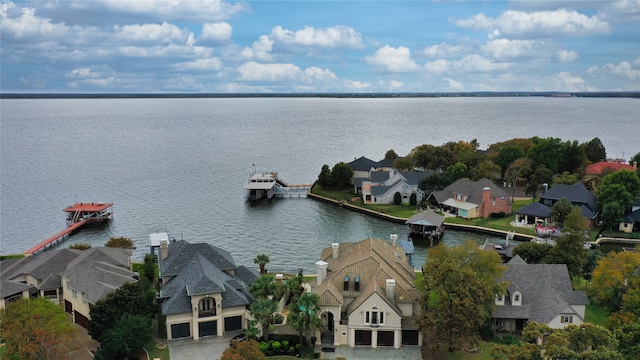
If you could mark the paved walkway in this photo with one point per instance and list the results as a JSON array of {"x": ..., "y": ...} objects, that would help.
[
  {"x": 82, "y": 345},
  {"x": 367, "y": 353},
  {"x": 206, "y": 348}
]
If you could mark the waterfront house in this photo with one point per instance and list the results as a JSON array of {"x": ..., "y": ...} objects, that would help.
[
  {"x": 631, "y": 220},
  {"x": 537, "y": 292},
  {"x": 367, "y": 296},
  {"x": 471, "y": 199},
  {"x": 578, "y": 195},
  {"x": 203, "y": 292},
  {"x": 71, "y": 277},
  {"x": 595, "y": 171},
  {"x": 382, "y": 185},
  {"x": 534, "y": 214},
  {"x": 426, "y": 224}
]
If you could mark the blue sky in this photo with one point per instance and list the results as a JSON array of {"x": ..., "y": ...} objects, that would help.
[{"x": 211, "y": 46}]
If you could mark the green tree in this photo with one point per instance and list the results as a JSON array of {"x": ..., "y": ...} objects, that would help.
[
  {"x": 80, "y": 246},
  {"x": 627, "y": 178},
  {"x": 262, "y": 260},
  {"x": 615, "y": 274},
  {"x": 403, "y": 164},
  {"x": 244, "y": 350},
  {"x": 569, "y": 248},
  {"x": 547, "y": 152},
  {"x": 613, "y": 201},
  {"x": 342, "y": 174},
  {"x": 263, "y": 312},
  {"x": 128, "y": 335},
  {"x": 435, "y": 182},
  {"x": 150, "y": 268},
  {"x": 293, "y": 287},
  {"x": 36, "y": 329},
  {"x": 508, "y": 154},
  {"x": 421, "y": 155},
  {"x": 566, "y": 178},
  {"x": 595, "y": 151},
  {"x": 461, "y": 283},
  {"x": 612, "y": 214},
  {"x": 390, "y": 155},
  {"x": 635, "y": 159},
  {"x": 486, "y": 169},
  {"x": 591, "y": 263},
  {"x": 120, "y": 242},
  {"x": 413, "y": 199},
  {"x": 397, "y": 198},
  {"x": 457, "y": 171},
  {"x": 540, "y": 175},
  {"x": 532, "y": 252},
  {"x": 264, "y": 286},
  {"x": 518, "y": 168},
  {"x": 560, "y": 210},
  {"x": 304, "y": 314},
  {"x": 129, "y": 299},
  {"x": 324, "y": 179},
  {"x": 573, "y": 158}
]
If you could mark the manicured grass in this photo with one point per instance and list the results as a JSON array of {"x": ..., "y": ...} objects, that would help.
[
  {"x": 155, "y": 353},
  {"x": 597, "y": 314},
  {"x": 484, "y": 354}
]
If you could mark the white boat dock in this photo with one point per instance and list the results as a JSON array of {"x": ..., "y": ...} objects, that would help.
[{"x": 268, "y": 185}]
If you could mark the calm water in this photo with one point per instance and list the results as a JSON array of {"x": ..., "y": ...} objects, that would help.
[{"x": 178, "y": 165}]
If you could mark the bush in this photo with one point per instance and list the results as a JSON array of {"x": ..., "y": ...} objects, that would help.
[
  {"x": 498, "y": 215},
  {"x": 298, "y": 347},
  {"x": 285, "y": 344},
  {"x": 292, "y": 350},
  {"x": 397, "y": 198},
  {"x": 413, "y": 199},
  {"x": 509, "y": 340},
  {"x": 276, "y": 346},
  {"x": 264, "y": 346}
]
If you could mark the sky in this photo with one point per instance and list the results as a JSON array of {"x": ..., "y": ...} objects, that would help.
[{"x": 294, "y": 46}]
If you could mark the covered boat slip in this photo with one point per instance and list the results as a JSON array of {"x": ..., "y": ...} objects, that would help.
[
  {"x": 268, "y": 185},
  {"x": 426, "y": 224}
]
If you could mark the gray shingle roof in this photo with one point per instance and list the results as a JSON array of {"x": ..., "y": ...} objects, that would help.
[
  {"x": 427, "y": 217},
  {"x": 535, "y": 209},
  {"x": 363, "y": 164},
  {"x": 576, "y": 194},
  {"x": 546, "y": 291},
  {"x": 199, "y": 269}
]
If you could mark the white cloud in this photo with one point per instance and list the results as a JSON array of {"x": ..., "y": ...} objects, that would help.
[
  {"x": 260, "y": 50},
  {"x": 519, "y": 24},
  {"x": 438, "y": 66},
  {"x": 478, "y": 63},
  {"x": 29, "y": 27},
  {"x": 215, "y": 33},
  {"x": 623, "y": 69},
  {"x": 392, "y": 59},
  {"x": 571, "y": 83},
  {"x": 152, "y": 33},
  {"x": 444, "y": 50},
  {"x": 200, "y": 65},
  {"x": 565, "y": 56},
  {"x": 254, "y": 71},
  {"x": 355, "y": 85},
  {"x": 395, "y": 84},
  {"x": 316, "y": 73},
  {"x": 202, "y": 10},
  {"x": 454, "y": 85},
  {"x": 331, "y": 37},
  {"x": 621, "y": 11}
]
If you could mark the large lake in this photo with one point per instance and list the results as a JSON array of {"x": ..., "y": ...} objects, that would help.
[{"x": 178, "y": 165}]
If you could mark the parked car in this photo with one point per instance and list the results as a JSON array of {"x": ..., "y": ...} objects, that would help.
[{"x": 238, "y": 338}]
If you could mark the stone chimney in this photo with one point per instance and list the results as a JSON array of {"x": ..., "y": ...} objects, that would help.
[
  {"x": 394, "y": 240},
  {"x": 164, "y": 249},
  {"x": 321, "y": 266},
  {"x": 391, "y": 289},
  {"x": 334, "y": 250}
]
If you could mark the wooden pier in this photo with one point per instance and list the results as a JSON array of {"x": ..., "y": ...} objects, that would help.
[
  {"x": 269, "y": 185},
  {"x": 78, "y": 215}
]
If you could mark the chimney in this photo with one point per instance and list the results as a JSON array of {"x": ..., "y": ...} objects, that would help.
[
  {"x": 486, "y": 202},
  {"x": 279, "y": 278},
  {"x": 164, "y": 249},
  {"x": 635, "y": 165},
  {"x": 545, "y": 187},
  {"x": 394, "y": 240},
  {"x": 391, "y": 289},
  {"x": 321, "y": 266},
  {"x": 334, "y": 249}
]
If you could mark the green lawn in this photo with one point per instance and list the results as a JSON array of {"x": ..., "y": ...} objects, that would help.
[
  {"x": 483, "y": 354},
  {"x": 155, "y": 353},
  {"x": 597, "y": 314}
]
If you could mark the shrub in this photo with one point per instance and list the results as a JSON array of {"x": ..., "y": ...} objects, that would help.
[
  {"x": 285, "y": 344},
  {"x": 498, "y": 215},
  {"x": 413, "y": 199},
  {"x": 292, "y": 349},
  {"x": 397, "y": 198},
  {"x": 264, "y": 346},
  {"x": 276, "y": 346},
  {"x": 298, "y": 347}
]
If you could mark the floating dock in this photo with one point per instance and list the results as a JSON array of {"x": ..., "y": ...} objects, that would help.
[
  {"x": 78, "y": 215},
  {"x": 269, "y": 185}
]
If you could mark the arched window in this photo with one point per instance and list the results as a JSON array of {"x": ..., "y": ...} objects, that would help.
[
  {"x": 356, "y": 284},
  {"x": 346, "y": 283},
  {"x": 207, "y": 307}
]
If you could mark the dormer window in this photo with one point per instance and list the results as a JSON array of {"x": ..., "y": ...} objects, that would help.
[
  {"x": 356, "y": 284},
  {"x": 500, "y": 299},
  {"x": 346, "y": 283},
  {"x": 458, "y": 196},
  {"x": 516, "y": 300}
]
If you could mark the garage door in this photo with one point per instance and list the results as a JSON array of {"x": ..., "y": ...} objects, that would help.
[
  {"x": 410, "y": 337},
  {"x": 233, "y": 323},
  {"x": 68, "y": 307},
  {"x": 385, "y": 338},
  {"x": 363, "y": 337},
  {"x": 208, "y": 328},
  {"x": 180, "y": 331},
  {"x": 81, "y": 319}
]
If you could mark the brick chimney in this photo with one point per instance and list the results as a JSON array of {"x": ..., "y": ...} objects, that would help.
[{"x": 486, "y": 202}]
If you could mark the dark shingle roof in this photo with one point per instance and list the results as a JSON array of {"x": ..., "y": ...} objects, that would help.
[
  {"x": 576, "y": 194},
  {"x": 473, "y": 189},
  {"x": 427, "y": 217},
  {"x": 632, "y": 217},
  {"x": 414, "y": 177},
  {"x": 363, "y": 164},
  {"x": 546, "y": 291},
  {"x": 201, "y": 269},
  {"x": 535, "y": 209}
]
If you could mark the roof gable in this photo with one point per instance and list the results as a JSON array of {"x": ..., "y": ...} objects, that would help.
[
  {"x": 363, "y": 164},
  {"x": 470, "y": 189},
  {"x": 575, "y": 193}
]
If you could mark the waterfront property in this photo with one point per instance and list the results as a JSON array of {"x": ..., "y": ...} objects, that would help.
[
  {"x": 269, "y": 185},
  {"x": 367, "y": 296},
  {"x": 71, "y": 277},
  {"x": 426, "y": 223},
  {"x": 471, "y": 199},
  {"x": 203, "y": 292},
  {"x": 631, "y": 221},
  {"x": 578, "y": 195},
  {"x": 537, "y": 292}
]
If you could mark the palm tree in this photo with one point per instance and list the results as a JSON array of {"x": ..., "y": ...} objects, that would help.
[
  {"x": 303, "y": 314},
  {"x": 263, "y": 312},
  {"x": 262, "y": 260},
  {"x": 264, "y": 286}
]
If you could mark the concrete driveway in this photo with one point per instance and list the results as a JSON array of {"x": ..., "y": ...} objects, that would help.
[
  {"x": 206, "y": 348},
  {"x": 379, "y": 353}
]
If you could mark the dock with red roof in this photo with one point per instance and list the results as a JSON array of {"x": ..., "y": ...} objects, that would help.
[{"x": 78, "y": 215}]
